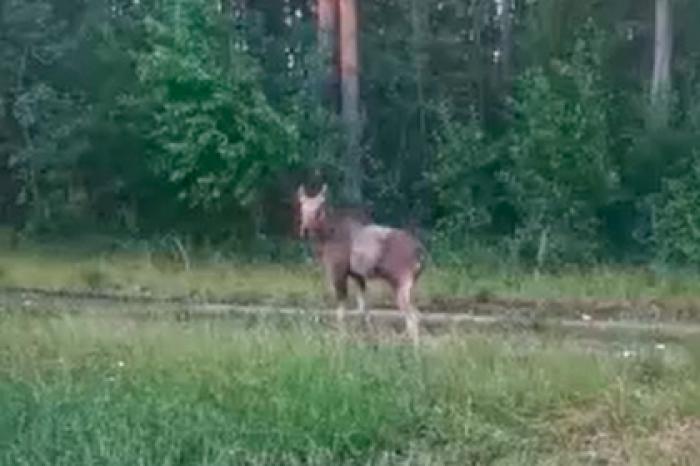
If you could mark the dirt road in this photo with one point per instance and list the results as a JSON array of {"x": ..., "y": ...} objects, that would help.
[{"x": 522, "y": 318}]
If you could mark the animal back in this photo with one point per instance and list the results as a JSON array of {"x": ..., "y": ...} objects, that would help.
[{"x": 367, "y": 248}]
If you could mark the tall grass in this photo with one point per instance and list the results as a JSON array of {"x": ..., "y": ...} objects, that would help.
[
  {"x": 83, "y": 390},
  {"x": 132, "y": 271}
]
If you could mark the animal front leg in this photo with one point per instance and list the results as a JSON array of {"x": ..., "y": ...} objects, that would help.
[
  {"x": 361, "y": 302},
  {"x": 341, "y": 294},
  {"x": 340, "y": 315},
  {"x": 412, "y": 325}
]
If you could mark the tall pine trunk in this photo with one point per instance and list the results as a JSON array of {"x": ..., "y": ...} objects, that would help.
[
  {"x": 505, "y": 46},
  {"x": 350, "y": 101},
  {"x": 418, "y": 27},
  {"x": 663, "y": 55},
  {"x": 327, "y": 37}
]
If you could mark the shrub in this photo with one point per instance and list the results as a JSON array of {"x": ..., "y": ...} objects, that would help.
[
  {"x": 676, "y": 222},
  {"x": 562, "y": 172}
]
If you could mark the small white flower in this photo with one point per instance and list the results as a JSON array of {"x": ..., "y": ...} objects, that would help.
[
  {"x": 660, "y": 346},
  {"x": 586, "y": 317},
  {"x": 121, "y": 364}
]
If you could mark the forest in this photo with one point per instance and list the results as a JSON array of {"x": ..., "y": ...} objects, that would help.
[
  {"x": 542, "y": 132},
  {"x": 158, "y": 306}
]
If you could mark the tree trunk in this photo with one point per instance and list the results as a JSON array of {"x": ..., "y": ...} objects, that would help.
[
  {"x": 350, "y": 102},
  {"x": 478, "y": 57},
  {"x": 663, "y": 55},
  {"x": 327, "y": 51},
  {"x": 418, "y": 39},
  {"x": 39, "y": 208},
  {"x": 506, "y": 43}
]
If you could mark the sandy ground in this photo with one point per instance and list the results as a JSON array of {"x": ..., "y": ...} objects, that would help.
[{"x": 533, "y": 317}]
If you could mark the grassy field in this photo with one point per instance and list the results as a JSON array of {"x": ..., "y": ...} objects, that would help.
[
  {"x": 100, "y": 388},
  {"x": 110, "y": 391},
  {"x": 211, "y": 276}
]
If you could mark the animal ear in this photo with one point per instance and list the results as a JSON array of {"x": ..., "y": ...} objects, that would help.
[
  {"x": 301, "y": 192},
  {"x": 324, "y": 190}
]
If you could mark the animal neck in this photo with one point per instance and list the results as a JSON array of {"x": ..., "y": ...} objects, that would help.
[{"x": 336, "y": 226}]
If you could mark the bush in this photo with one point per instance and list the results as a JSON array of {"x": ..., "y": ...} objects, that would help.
[
  {"x": 539, "y": 189},
  {"x": 562, "y": 172},
  {"x": 676, "y": 222},
  {"x": 211, "y": 132},
  {"x": 463, "y": 181}
]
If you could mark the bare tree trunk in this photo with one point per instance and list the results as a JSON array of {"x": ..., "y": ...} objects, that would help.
[
  {"x": 506, "y": 42},
  {"x": 350, "y": 103},
  {"x": 663, "y": 55},
  {"x": 41, "y": 210},
  {"x": 414, "y": 156},
  {"x": 326, "y": 79},
  {"x": 327, "y": 50},
  {"x": 478, "y": 24},
  {"x": 418, "y": 36}
]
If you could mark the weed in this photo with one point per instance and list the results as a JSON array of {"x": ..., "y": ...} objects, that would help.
[{"x": 93, "y": 277}]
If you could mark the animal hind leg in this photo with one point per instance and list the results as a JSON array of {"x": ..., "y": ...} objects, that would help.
[{"x": 403, "y": 298}]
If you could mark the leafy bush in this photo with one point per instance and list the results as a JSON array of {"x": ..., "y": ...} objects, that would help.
[
  {"x": 463, "y": 181},
  {"x": 561, "y": 171},
  {"x": 211, "y": 132},
  {"x": 542, "y": 185},
  {"x": 676, "y": 225}
]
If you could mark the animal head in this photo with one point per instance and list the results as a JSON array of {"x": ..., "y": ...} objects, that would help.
[{"x": 312, "y": 211}]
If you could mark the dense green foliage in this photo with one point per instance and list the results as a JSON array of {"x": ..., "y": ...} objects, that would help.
[
  {"x": 86, "y": 390},
  {"x": 523, "y": 131},
  {"x": 210, "y": 129}
]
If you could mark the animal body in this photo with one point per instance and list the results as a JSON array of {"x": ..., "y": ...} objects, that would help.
[{"x": 349, "y": 246}]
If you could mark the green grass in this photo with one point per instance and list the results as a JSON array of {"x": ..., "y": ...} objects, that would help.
[
  {"x": 131, "y": 274},
  {"x": 111, "y": 391},
  {"x": 98, "y": 266}
]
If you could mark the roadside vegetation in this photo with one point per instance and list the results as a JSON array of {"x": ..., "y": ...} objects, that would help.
[
  {"x": 108, "y": 390},
  {"x": 105, "y": 266}
]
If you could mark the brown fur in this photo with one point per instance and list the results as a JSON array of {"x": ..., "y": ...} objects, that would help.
[{"x": 349, "y": 246}]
